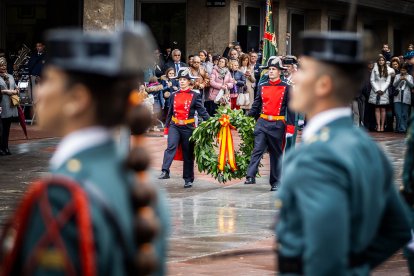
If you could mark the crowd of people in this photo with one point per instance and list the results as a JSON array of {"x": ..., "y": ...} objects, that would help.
[
  {"x": 219, "y": 78},
  {"x": 384, "y": 102}
]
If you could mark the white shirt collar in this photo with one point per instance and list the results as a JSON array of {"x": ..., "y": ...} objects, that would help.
[
  {"x": 324, "y": 118},
  {"x": 79, "y": 141}
]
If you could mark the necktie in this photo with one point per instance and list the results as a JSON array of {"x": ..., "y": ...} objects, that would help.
[{"x": 177, "y": 68}]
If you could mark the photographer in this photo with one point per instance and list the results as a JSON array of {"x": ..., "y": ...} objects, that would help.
[{"x": 403, "y": 84}]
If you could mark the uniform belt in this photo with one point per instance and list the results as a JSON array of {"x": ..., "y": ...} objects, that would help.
[
  {"x": 182, "y": 122},
  {"x": 294, "y": 265},
  {"x": 272, "y": 118}
]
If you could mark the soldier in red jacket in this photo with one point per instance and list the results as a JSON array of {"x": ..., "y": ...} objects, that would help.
[
  {"x": 275, "y": 122},
  {"x": 180, "y": 125}
]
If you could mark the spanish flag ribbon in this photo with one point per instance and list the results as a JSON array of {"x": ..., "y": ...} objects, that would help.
[{"x": 226, "y": 144}]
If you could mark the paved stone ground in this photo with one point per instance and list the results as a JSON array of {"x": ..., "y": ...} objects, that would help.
[{"x": 216, "y": 229}]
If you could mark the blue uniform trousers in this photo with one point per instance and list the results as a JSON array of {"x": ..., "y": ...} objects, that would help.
[
  {"x": 268, "y": 135},
  {"x": 180, "y": 135}
]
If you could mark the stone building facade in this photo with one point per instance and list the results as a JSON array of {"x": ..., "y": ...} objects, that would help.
[{"x": 191, "y": 25}]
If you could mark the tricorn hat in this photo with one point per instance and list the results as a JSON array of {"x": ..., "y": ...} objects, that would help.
[
  {"x": 125, "y": 52},
  {"x": 334, "y": 47},
  {"x": 274, "y": 61},
  {"x": 184, "y": 72}
]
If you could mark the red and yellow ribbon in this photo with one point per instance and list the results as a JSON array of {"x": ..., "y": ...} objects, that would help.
[{"x": 226, "y": 144}]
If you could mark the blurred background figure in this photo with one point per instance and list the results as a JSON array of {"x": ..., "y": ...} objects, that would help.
[{"x": 8, "y": 111}]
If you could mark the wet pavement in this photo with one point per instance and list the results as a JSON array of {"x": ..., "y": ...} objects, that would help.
[{"x": 216, "y": 229}]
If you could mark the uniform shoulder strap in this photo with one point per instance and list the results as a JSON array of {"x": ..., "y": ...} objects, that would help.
[{"x": 76, "y": 209}]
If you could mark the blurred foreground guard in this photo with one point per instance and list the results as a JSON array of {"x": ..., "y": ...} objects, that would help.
[
  {"x": 340, "y": 211},
  {"x": 92, "y": 216},
  {"x": 408, "y": 189}
]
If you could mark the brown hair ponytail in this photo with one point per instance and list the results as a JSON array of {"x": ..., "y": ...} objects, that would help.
[{"x": 146, "y": 224}]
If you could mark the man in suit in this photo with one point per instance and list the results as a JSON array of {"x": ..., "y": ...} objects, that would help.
[
  {"x": 176, "y": 62},
  {"x": 340, "y": 213},
  {"x": 37, "y": 60}
]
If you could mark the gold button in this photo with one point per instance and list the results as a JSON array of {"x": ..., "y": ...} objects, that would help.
[
  {"x": 74, "y": 165},
  {"x": 278, "y": 204}
]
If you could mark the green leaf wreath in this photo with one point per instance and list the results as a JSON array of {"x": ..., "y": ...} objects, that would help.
[{"x": 206, "y": 145}]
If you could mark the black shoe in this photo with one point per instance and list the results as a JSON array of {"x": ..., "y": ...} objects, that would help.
[
  {"x": 164, "y": 175},
  {"x": 250, "y": 180},
  {"x": 188, "y": 184},
  {"x": 274, "y": 187},
  {"x": 2, "y": 153},
  {"x": 7, "y": 152}
]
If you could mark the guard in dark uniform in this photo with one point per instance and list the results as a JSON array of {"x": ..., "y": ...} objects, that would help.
[
  {"x": 275, "y": 122},
  {"x": 92, "y": 216},
  {"x": 290, "y": 62},
  {"x": 340, "y": 213},
  {"x": 180, "y": 125}
]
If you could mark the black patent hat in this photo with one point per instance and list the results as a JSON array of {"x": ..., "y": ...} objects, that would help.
[
  {"x": 334, "y": 47},
  {"x": 126, "y": 52}
]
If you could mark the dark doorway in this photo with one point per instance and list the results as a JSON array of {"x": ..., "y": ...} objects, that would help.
[
  {"x": 253, "y": 16},
  {"x": 297, "y": 26},
  {"x": 399, "y": 49},
  {"x": 336, "y": 24},
  {"x": 167, "y": 22},
  {"x": 26, "y": 21}
]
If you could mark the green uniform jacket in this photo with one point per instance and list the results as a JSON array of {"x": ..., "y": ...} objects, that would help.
[
  {"x": 338, "y": 198},
  {"x": 103, "y": 169}
]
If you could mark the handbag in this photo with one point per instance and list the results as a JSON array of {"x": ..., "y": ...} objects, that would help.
[
  {"x": 219, "y": 96},
  {"x": 243, "y": 99},
  {"x": 15, "y": 100}
]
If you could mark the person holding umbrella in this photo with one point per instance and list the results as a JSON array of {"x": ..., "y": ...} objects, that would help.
[{"x": 8, "y": 88}]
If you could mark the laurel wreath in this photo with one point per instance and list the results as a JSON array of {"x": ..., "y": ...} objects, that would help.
[{"x": 206, "y": 145}]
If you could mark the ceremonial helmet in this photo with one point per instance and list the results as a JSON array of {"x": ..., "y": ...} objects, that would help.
[
  {"x": 184, "y": 72},
  {"x": 274, "y": 61}
]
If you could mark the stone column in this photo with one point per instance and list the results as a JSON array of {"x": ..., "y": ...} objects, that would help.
[
  {"x": 282, "y": 23},
  {"x": 210, "y": 28},
  {"x": 2, "y": 24},
  {"x": 390, "y": 34},
  {"x": 103, "y": 14},
  {"x": 359, "y": 23}
]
